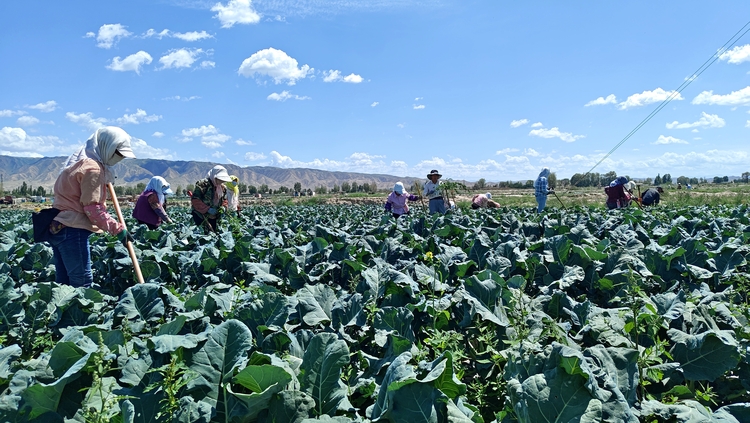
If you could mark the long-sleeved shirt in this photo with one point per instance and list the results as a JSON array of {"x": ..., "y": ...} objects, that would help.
[
  {"x": 80, "y": 193},
  {"x": 651, "y": 196},
  {"x": 203, "y": 196},
  {"x": 432, "y": 190},
  {"x": 147, "y": 209},
  {"x": 541, "y": 187},
  {"x": 397, "y": 202}
]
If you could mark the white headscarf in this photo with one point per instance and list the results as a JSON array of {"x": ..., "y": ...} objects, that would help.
[
  {"x": 102, "y": 146},
  {"x": 160, "y": 186},
  {"x": 217, "y": 175},
  {"x": 543, "y": 174}
]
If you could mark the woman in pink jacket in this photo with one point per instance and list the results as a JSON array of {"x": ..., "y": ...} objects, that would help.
[
  {"x": 80, "y": 194},
  {"x": 396, "y": 201}
]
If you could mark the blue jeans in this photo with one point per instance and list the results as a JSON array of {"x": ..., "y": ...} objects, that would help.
[
  {"x": 541, "y": 201},
  {"x": 72, "y": 257},
  {"x": 437, "y": 205}
]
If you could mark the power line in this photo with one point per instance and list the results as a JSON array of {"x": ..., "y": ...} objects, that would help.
[{"x": 731, "y": 42}]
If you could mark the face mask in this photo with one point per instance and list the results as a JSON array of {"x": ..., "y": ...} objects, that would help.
[{"x": 115, "y": 159}]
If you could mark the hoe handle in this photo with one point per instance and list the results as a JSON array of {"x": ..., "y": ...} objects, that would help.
[{"x": 131, "y": 250}]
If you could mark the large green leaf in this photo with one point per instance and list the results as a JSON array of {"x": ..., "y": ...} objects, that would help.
[
  {"x": 705, "y": 356},
  {"x": 225, "y": 348},
  {"x": 320, "y": 372},
  {"x": 41, "y": 398},
  {"x": 8, "y": 355},
  {"x": 264, "y": 381},
  {"x": 314, "y": 303},
  {"x": 141, "y": 304},
  {"x": 390, "y": 320}
]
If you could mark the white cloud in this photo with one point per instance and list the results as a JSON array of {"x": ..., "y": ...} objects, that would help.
[
  {"x": 152, "y": 33},
  {"x": 669, "y": 140},
  {"x": 130, "y": 63},
  {"x": 331, "y": 76},
  {"x": 253, "y": 157},
  {"x": 192, "y": 36},
  {"x": 240, "y": 141},
  {"x": 418, "y": 106},
  {"x": 275, "y": 64},
  {"x": 86, "y": 119},
  {"x": 27, "y": 121},
  {"x": 144, "y": 151},
  {"x": 695, "y": 130},
  {"x": 16, "y": 142},
  {"x": 199, "y": 132},
  {"x": 11, "y": 113},
  {"x": 285, "y": 95},
  {"x": 211, "y": 137},
  {"x": 531, "y": 152},
  {"x": 648, "y": 97},
  {"x": 235, "y": 12},
  {"x": 180, "y": 98},
  {"x": 418, "y": 98},
  {"x": 374, "y": 103},
  {"x": 215, "y": 141},
  {"x": 611, "y": 99},
  {"x": 109, "y": 35},
  {"x": 140, "y": 116},
  {"x": 207, "y": 64},
  {"x": 217, "y": 154},
  {"x": 517, "y": 123},
  {"x": 537, "y": 125},
  {"x": 706, "y": 120},
  {"x": 747, "y": 125},
  {"x": 335, "y": 75},
  {"x": 555, "y": 133},
  {"x": 506, "y": 151},
  {"x": 157, "y": 134},
  {"x": 45, "y": 107},
  {"x": 180, "y": 58},
  {"x": 401, "y": 125},
  {"x": 737, "y": 55},
  {"x": 735, "y": 98},
  {"x": 353, "y": 79}
]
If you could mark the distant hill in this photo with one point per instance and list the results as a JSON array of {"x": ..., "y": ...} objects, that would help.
[{"x": 43, "y": 172}]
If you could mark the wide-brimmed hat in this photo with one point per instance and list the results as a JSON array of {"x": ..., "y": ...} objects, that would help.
[
  {"x": 434, "y": 172},
  {"x": 398, "y": 188}
]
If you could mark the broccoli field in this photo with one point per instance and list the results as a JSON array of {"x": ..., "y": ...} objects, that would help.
[{"x": 340, "y": 314}]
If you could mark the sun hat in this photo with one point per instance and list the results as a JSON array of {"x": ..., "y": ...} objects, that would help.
[
  {"x": 488, "y": 195},
  {"x": 434, "y": 172},
  {"x": 219, "y": 173},
  {"x": 398, "y": 188}
]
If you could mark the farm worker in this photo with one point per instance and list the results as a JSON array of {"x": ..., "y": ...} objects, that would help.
[
  {"x": 209, "y": 198},
  {"x": 396, "y": 201},
  {"x": 233, "y": 194},
  {"x": 651, "y": 196},
  {"x": 542, "y": 189},
  {"x": 432, "y": 191},
  {"x": 80, "y": 193},
  {"x": 480, "y": 201},
  {"x": 151, "y": 204},
  {"x": 617, "y": 195}
]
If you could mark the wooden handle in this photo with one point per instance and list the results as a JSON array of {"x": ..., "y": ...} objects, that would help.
[{"x": 129, "y": 245}]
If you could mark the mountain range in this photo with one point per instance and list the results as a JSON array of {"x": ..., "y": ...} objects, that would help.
[{"x": 43, "y": 172}]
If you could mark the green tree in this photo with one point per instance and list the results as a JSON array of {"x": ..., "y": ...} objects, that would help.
[
  {"x": 684, "y": 180},
  {"x": 666, "y": 179},
  {"x": 346, "y": 187},
  {"x": 657, "y": 180},
  {"x": 480, "y": 184},
  {"x": 263, "y": 189},
  {"x": 297, "y": 187},
  {"x": 242, "y": 187},
  {"x": 335, "y": 189},
  {"x": 252, "y": 189},
  {"x": 718, "y": 179},
  {"x": 745, "y": 176},
  {"x": 552, "y": 180}
]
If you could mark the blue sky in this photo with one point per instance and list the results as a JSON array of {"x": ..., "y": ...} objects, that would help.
[{"x": 475, "y": 89}]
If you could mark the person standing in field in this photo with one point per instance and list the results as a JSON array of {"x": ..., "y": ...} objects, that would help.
[
  {"x": 209, "y": 198},
  {"x": 150, "y": 208},
  {"x": 651, "y": 196},
  {"x": 617, "y": 195},
  {"x": 233, "y": 195},
  {"x": 432, "y": 191},
  {"x": 542, "y": 189},
  {"x": 396, "y": 202},
  {"x": 480, "y": 201},
  {"x": 80, "y": 195}
]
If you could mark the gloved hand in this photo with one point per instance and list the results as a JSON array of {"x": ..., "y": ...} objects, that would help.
[
  {"x": 124, "y": 236},
  {"x": 388, "y": 206},
  {"x": 212, "y": 211},
  {"x": 170, "y": 220}
]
